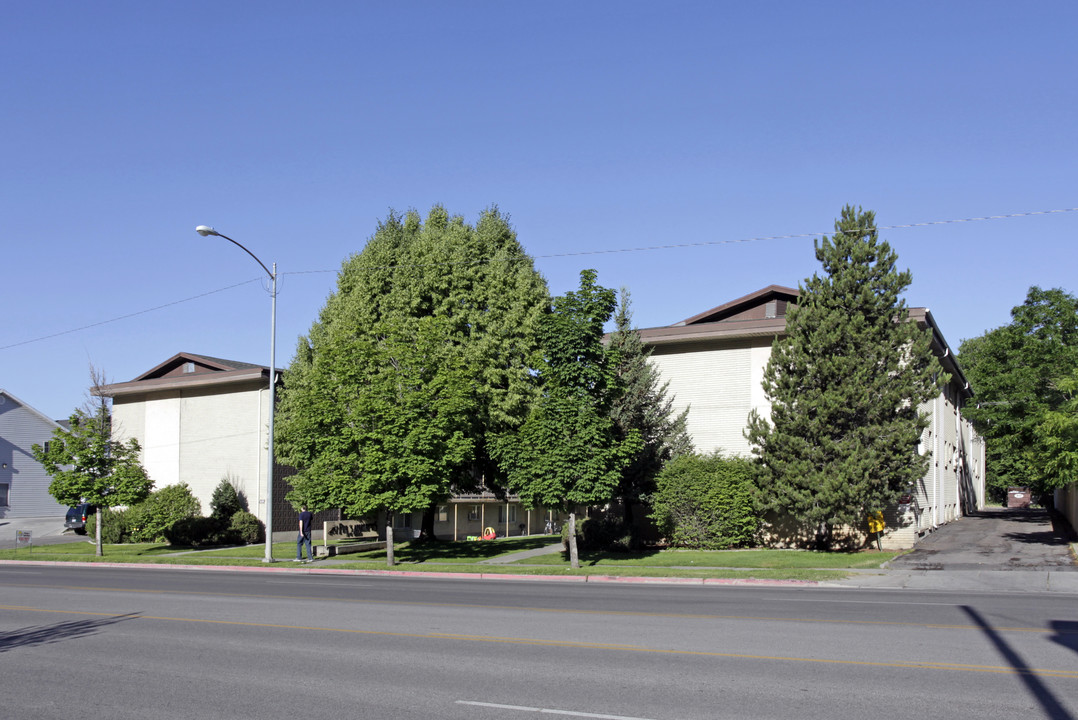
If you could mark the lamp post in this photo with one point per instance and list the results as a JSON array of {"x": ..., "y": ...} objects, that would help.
[{"x": 205, "y": 230}]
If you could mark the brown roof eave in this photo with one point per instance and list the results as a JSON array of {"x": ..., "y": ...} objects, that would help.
[
  {"x": 942, "y": 350},
  {"x": 229, "y": 377},
  {"x": 727, "y": 330}
]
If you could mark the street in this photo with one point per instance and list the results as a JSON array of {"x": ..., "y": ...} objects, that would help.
[{"x": 167, "y": 643}]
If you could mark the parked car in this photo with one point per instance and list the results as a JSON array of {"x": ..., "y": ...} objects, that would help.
[{"x": 76, "y": 517}]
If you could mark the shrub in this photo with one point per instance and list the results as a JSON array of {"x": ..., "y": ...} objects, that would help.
[
  {"x": 602, "y": 532},
  {"x": 114, "y": 526},
  {"x": 247, "y": 528},
  {"x": 150, "y": 520},
  {"x": 226, "y": 501},
  {"x": 194, "y": 532},
  {"x": 705, "y": 502},
  {"x": 610, "y": 532}
]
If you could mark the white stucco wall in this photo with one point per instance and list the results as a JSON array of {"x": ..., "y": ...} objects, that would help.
[
  {"x": 721, "y": 384},
  {"x": 722, "y": 381},
  {"x": 201, "y": 436}
]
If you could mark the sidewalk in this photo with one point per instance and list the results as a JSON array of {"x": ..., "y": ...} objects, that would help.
[{"x": 979, "y": 581}]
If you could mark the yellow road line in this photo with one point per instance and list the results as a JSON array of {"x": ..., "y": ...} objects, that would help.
[
  {"x": 617, "y": 613},
  {"x": 569, "y": 611},
  {"x": 535, "y": 642}
]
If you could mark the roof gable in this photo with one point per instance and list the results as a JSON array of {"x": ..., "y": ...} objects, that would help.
[
  {"x": 185, "y": 364},
  {"x": 770, "y": 302},
  {"x": 5, "y": 395}
]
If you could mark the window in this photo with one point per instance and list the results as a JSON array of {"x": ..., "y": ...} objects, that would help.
[
  {"x": 402, "y": 520},
  {"x": 771, "y": 310},
  {"x": 3, "y": 494},
  {"x": 443, "y": 514},
  {"x": 512, "y": 513},
  {"x": 473, "y": 513},
  {"x": 189, "y": 367}
]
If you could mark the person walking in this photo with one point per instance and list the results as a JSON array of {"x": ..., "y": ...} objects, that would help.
[{"x": 304, "y": 538}]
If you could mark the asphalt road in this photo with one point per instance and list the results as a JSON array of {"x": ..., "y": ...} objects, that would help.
[
  {"x": 167, "y": 643},
  {"x": 1021, "y": 539}
]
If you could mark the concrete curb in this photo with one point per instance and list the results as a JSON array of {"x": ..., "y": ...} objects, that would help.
[{"x": 615, "y": 579}]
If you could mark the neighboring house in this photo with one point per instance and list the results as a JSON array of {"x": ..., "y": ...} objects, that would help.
[
  {"x": 714, "y": 363},
  {"x": 24, "y": 484},
  {"x": 200, "y": 420}
]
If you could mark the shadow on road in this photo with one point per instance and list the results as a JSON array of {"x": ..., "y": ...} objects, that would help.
[
  {"x": 1053, "y": 709},
  {"x": 45, "y": 634},
  {"x": 1066, "y": 633},
  {"x": 1037, "y": 538}
]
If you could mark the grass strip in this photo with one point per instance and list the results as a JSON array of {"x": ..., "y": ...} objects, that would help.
[
  {"x": 773, "y": 559},
  {"x": 466, "y": 557}
]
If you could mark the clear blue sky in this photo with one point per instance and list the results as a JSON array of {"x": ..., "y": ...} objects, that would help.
[{"x": 294, "y": 127}]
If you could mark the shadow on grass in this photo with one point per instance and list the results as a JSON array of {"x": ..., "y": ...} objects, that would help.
[
  {"x": 46, "y": 634},
  {"x": 591, "y": 558},
  {"x": 443, "y": 551}
]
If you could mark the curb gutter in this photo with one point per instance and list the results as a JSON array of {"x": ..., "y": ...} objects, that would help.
[{"x": 616, "y": 579}]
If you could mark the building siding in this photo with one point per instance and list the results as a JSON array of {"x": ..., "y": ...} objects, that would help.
[
  {"x": 27, "y": 482},
  {"x": 716, "y": 381},
  {"x": 721, "y": 381},
  {"x": 201, "y": 436}
]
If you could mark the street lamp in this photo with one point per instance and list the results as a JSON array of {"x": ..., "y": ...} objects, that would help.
[{"x": 205, "y": 230}]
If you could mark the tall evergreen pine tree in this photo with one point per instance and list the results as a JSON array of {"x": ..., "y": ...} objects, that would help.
[
  {"x": 643, "y": 406},
  {"x": 845, "y": 386}
]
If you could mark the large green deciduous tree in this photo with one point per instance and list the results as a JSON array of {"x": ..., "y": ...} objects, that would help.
[
  {"x": 643, "y": 405},
  {"x": 1015, "y": 371},
  {"x": 1053, "y": 456},
  {"x": 415, "y": 361},
  {"x": 845, "y": 384},
  {"x": 87, "y": 465},
  {"x": 568, "y": 451}
]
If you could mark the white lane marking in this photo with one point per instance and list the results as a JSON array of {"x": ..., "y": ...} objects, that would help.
[{"x": 549, "y": 711}]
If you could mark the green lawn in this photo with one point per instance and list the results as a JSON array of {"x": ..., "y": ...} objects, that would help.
[
  {"x": 771, "y": 559},
  {"x": 466, "y": 557},
  {"x": 131, "y": 553}
]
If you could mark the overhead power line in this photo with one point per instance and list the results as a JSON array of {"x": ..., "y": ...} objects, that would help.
[
  {"x": 128, "y": 315},
  {"x": 579, "y": 253},
  {"x": 796, "y": 236}
]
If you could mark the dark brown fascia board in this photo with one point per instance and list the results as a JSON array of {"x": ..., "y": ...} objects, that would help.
[
  {"x": 942, "y": 350},
  {"x": 227, "y": 377},
  {"x": 727, "y": 330},
  {"x": 747, "y": 299},
  {"x": 186, "y": 356}
]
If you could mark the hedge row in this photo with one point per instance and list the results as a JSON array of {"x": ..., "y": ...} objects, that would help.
[
  {"x": 173, "y": 515},
  {"x": 706, "y": 502}
]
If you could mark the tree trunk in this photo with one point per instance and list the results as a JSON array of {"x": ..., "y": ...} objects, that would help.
[
  {"x": 823, "y": 536},
  {"x": 97, "y": 532},
  {"x": 389, "y": 539},
  {"x": 574, "y": 555}
]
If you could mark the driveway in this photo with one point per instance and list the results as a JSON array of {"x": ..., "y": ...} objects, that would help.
[
  {"x": 994, "y": 539},
  {"x": 43, "y": 531}
]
